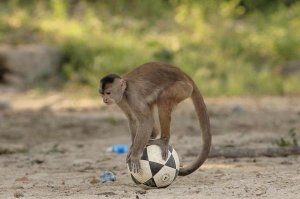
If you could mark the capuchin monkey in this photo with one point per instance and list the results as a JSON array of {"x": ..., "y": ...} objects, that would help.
[{"x": 137, "y": 91}]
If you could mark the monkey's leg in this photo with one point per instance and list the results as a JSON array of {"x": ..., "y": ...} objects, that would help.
[
  {"x": 155, "y": 130},
  {"x": 167, "y": 100}
]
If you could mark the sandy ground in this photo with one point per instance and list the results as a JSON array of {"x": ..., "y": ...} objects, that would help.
[{"x": 55, "y": 146}]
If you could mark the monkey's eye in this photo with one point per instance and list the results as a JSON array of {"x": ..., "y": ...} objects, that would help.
[{"x": 107, "y": 93}]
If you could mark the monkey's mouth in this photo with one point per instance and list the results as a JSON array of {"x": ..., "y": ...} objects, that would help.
[{"x": 108, "y": 103}]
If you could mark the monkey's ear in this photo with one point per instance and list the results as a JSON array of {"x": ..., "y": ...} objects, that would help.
[{"x": 123, "y": 84}]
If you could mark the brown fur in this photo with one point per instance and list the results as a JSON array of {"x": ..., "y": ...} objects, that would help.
[{"x": 165, "y": 86}]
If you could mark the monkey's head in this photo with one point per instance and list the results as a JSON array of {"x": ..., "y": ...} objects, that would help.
[{"x": 112, "y": 88}]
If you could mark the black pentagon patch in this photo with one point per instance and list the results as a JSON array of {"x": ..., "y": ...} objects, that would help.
[
  {"x": 170, "y": 148},
  {"x": 145, "y": 155},
  {"x": 155, "y": 167},
  {"x": 150, "y": 183},
  {"x": 135, "y": 180},
  {"x": 171, "y": 162}
]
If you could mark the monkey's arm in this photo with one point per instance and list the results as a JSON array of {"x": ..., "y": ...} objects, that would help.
[
  {"x": 132, "y": 128},
  {"x": 143, "y": 133},
  {"x": 132, "y": 120}
]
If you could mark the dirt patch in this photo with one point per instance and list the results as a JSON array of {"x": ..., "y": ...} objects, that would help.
[{"x": 55, "y": 148}]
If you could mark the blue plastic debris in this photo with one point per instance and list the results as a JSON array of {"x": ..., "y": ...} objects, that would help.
[
  {"x": 120, "y": 148},
  {"x": 107, "y": 176}
]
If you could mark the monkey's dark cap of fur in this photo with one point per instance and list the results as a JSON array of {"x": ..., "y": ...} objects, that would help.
[{"x": 108, "y": 79}]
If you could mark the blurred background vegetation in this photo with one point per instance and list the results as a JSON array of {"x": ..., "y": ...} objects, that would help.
[{"x": 229, "y": 47}]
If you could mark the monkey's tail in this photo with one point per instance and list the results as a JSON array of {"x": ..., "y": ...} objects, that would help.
[{"x": 206, "y": 136}]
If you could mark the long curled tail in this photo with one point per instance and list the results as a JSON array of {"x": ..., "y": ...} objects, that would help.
[{"x": 206, "y": 136}]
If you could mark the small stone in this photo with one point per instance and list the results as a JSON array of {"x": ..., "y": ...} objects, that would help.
[
  {"x": 94, "y": 180},
  {"x": 286, "y": 163},
  {"x": 261, "y": 191},
  {"x": 142, "y": 192},
  {"x": 107, "y": 194},
  {"x": 22, "y": 179},
  {"x": 38, "y": 161},
  {"x": 18, "y": 194}
]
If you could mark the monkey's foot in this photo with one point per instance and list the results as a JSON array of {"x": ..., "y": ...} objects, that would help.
[
  {"x": 164, "y": 147},
  {"x": 134, "y": 164}
]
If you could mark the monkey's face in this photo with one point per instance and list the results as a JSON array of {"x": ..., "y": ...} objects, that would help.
[{"x": 113, "y": 92}]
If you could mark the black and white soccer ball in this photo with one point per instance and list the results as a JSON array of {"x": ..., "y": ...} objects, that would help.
[{"x": 156, "y": 172}]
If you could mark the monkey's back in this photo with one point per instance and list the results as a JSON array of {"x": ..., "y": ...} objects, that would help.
[
  {"x": 156, "y": 73},
  {"x": 150, "y": 79}
]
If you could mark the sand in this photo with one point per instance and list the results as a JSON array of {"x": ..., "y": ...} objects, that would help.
[{"x": 55, "y": 146}]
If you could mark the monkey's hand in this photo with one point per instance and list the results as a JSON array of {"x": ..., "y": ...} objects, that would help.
[
  {"x": 163, "y": 147},
  {"x": 133, "y": 163},
  {"x": 128, "y": 155}
]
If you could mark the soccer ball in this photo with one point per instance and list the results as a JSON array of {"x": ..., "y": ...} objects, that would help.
[{"x": 156, "y": 172}]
